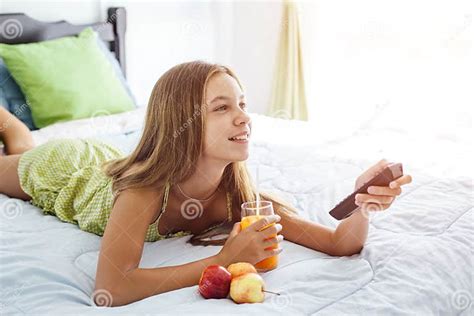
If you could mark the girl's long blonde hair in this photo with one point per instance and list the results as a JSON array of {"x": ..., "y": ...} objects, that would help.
[{"x": 172, "y": 139}]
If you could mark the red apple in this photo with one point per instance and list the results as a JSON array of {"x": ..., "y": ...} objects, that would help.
[{"x": 215, "y": 282}]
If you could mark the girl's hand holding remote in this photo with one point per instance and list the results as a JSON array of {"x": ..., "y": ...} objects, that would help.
[{"x": 378, "y": 197}]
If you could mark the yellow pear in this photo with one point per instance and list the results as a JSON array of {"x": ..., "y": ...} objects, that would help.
[{"x": 247, "y": 288}]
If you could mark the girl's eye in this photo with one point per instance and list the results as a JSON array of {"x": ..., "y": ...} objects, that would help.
[
  {"x": 221, "y": 107},
  {"x": 243, "y": 105}
]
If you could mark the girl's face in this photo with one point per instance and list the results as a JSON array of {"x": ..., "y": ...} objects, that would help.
[{"x": 226, "y": 118}]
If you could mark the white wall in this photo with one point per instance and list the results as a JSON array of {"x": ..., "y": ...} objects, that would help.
[
  {"x": 409, "y": 63},
  {"x": 163, "y": 34},
  {"x": 255, "y": 42},
  {"x": 77, "y": 12},
  {"x": 240, "y": 34}
]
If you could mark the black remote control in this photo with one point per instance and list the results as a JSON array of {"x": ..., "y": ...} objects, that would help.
[{"x": 347, "y": 206}]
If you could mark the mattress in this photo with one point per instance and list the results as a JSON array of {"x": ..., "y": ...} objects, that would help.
[{"x": 418, "y": 258}]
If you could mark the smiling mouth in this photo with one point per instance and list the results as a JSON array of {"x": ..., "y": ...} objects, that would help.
[{"x": 240, "y": 139}]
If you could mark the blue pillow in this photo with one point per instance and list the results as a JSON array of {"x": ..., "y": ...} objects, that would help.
[
  {"x": 12, "y": 98},
  {"x": 3, "y": 101}
]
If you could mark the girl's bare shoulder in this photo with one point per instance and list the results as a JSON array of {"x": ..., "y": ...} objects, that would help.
[{"x": 150, "y": 195}]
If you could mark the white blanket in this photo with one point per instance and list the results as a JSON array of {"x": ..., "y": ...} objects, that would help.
[{"x": 418, "y": 258}]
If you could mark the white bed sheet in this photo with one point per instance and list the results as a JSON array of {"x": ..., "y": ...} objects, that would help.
[{"x": 418, "y": 258}]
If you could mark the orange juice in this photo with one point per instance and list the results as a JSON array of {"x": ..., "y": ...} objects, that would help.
[{"x": 270, "y": 262}]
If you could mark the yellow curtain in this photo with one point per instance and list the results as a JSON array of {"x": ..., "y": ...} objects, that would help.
[{"x": 288, "y": 97}]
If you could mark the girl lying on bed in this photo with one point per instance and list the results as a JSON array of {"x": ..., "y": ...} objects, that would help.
[{"x": 186, "y": 153}]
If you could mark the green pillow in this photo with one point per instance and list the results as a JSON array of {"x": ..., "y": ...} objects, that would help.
[{"x": 66, "y": 79}]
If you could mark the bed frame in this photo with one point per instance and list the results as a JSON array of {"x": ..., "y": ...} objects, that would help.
[{"x": 18, "y": 28}]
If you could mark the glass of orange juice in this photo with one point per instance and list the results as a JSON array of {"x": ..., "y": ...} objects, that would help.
[{"x": 250, "y": 215}]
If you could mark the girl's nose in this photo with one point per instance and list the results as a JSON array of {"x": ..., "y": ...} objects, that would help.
[{"x": 243, "y": 118}]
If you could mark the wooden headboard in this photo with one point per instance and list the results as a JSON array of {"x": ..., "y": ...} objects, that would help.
[{"x": 18, "y": 28}]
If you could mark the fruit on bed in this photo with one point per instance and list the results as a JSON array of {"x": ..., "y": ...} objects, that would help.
[
  {"x": 239, "y": 268},
  {"x": 215, "y": 282},
  {"x": 247, "y": 288},
  {"x": 240, "y": 280}
]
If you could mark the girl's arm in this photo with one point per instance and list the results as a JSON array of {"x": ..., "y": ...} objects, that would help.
[
  {"x": 138, "y": 283},
  {"x": 119, "y": 281},
  {"x": 347, "y": 239}
]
